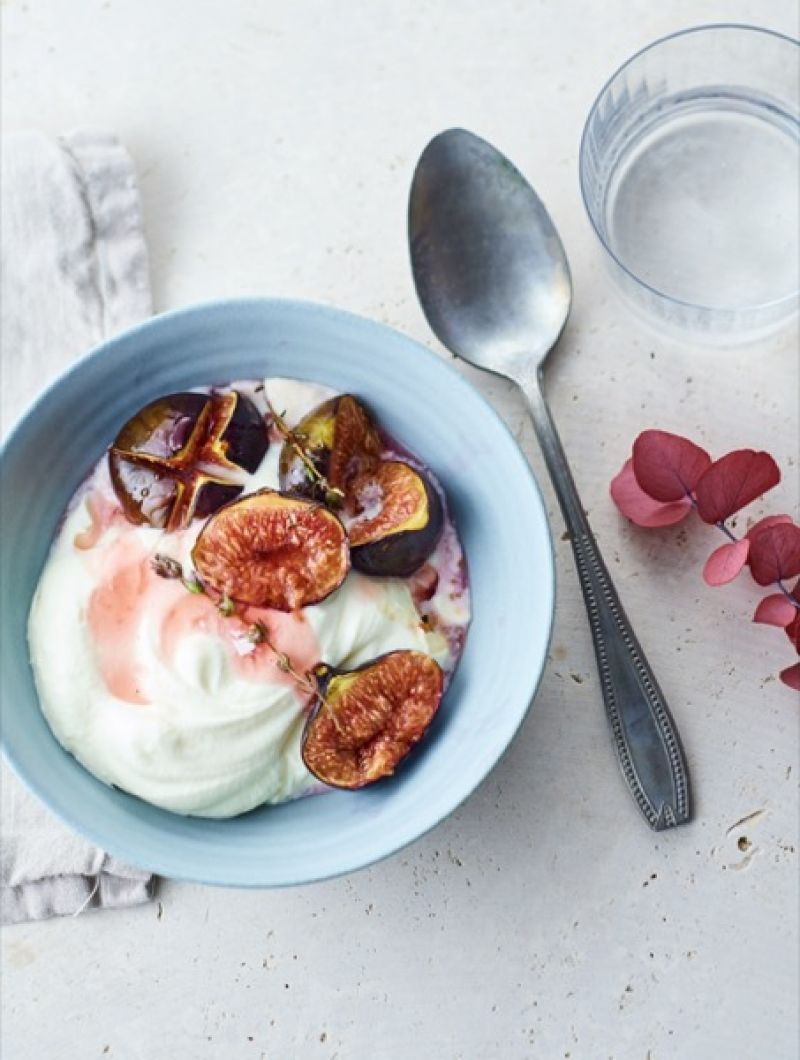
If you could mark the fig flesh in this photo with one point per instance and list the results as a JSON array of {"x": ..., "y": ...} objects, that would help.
[
  {"x": 341, "y": 441},
  {"x": 394, "y": 520},
  {"x": 270, "y": 549},
  {"x": 182, "y": 456},
  {"x": 367, "y": 720}
]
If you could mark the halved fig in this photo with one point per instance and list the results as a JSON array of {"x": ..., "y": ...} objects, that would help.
[
  {"x": 394, "y": 519},
  {"x": 270, "y": 549},
  {"x": 367, "y": 720},
  {"x": 341, "y": 441},
  {"x": 183, "y": 455}
]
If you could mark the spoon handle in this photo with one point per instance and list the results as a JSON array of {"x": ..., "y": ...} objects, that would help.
[{"x": 647, "y": 743}]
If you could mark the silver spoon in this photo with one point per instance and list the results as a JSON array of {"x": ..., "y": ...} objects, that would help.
[{"x": 494, "y": 283}]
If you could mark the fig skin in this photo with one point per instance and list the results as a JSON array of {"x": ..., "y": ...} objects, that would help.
[
  {"x": 271, "y": 549},
  {"x": 403, "y": 534},
  {"x": 176, "y": 459},
  {"x": 367, "y": 720},
  {"x": 341, "y": 440}
]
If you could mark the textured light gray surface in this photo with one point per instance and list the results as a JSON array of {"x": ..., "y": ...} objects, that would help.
[{"x": 275, "y": 145}]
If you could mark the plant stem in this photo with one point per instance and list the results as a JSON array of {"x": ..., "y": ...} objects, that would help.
[
  {"x": 779, "y": 584},
  {"x": 728, "y": 533},
  {"x": 259, "y": 635},
  {"x": 333, "y": 495},
  {"x": 795, "y": 604}
]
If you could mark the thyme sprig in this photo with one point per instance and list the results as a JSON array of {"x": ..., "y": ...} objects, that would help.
[
  {"x": 257, "y": 634},
  {"x": 167, "y": 567},
  {"x": 334, "y": 497}
]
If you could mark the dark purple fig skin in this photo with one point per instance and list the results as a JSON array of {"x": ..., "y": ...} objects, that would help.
[
  {"x": 162, "y": 427},
  {"x": 318, "y": 428},
  {"x": 399, "y": 555},
  {"x": 213, "y": 496},
  {"x": 247, "y": 442},
  {"x": 246, "y": 436},
  {"x": 146, "y": 494}
]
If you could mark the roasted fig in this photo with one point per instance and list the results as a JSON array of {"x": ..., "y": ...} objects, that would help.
[
  {"x": 367, "y": 720},
  {"x": 183, "y": 455},
  {"x": 272, "y": 550},
  {"x": 340, "y": 440},
  {"x": 394, "y": 519}
]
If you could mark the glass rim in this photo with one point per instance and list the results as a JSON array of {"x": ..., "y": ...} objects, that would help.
[{"x": 774, "y": 303}]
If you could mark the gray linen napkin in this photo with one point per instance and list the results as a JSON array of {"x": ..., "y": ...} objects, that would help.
[{"x": 74, "y": 271}]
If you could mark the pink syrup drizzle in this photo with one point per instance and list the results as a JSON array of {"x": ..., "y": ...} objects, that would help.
[
  {"x": 292, "y": 634},
  {"x": 130, "y": 592},
  {"x": 102, "y": 513},
  {"x": 114, "y": 613}
]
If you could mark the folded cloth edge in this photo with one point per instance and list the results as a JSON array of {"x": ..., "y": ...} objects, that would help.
[
  {"x": 114, "y": 293},
  {"x": 72, "y": 894}
]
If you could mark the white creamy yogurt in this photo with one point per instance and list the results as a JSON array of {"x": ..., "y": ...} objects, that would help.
[{"x": 155, "y": 692}]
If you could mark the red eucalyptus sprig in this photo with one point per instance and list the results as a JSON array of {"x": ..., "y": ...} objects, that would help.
[{"x": 668, "y": 476}]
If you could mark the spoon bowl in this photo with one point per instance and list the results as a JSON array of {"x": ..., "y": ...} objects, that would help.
[{"x": 503, "y": 307}]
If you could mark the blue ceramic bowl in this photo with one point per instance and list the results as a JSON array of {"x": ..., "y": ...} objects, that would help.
[{"x": 498, "y": 510}]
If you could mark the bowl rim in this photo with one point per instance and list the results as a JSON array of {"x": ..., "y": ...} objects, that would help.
[
  {"x": 528, "y": 687},
  {"x": 745, "y": 27}
]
